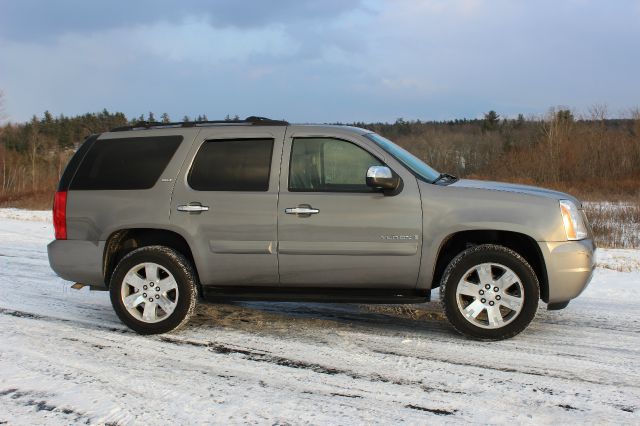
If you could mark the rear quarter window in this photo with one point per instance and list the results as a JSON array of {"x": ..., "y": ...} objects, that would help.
[{"x": 125, "y": 163}]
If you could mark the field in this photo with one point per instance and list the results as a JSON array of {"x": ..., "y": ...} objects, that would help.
[
  {"x": 65, "y": 357},
  {"x": 615, "y": 224}
]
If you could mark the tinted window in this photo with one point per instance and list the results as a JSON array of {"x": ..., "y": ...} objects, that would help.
[
  {"x": 74, "y": 163},
  {"x": 232, "y": 165},
  {"x": 127, "y": 163},
  {"x": 329, "y": 165}
]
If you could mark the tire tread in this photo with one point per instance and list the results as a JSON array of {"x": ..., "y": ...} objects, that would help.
[
  {"x": 507, "y": 332},
  {"x": 179, "y": 261}
]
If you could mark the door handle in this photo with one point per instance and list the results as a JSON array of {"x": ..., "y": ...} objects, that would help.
[
  {"x": 192, "y": 208},
  {"x": 302, "y": 210}
]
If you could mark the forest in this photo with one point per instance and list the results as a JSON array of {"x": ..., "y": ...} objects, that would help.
[{"x": 592, "y": 156}]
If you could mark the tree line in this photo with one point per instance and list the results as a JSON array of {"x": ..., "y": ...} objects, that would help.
[{"x": 591, "y": 156}]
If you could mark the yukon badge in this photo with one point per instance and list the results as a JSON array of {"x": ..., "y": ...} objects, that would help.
[{"x": 398, "y": 237}]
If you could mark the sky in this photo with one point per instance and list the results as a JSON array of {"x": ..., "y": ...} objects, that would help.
[{"x": 319, "y": 60}]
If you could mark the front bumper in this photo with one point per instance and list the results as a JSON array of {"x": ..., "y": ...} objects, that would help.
[
  {"x": 570, "y": 265},
  {"x": 76, "y": 260}
]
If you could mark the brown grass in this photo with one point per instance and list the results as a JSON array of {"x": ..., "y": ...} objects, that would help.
[
  {"x": 30, "y": 200},
  {"x": 615, "y": 225}
]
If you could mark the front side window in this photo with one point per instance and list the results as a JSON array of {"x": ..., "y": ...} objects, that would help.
[
  {"x": 329, "y": 165},
  {"x": 232, "y": 165}
]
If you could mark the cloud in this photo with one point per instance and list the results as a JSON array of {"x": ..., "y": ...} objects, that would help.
[
  {"x": 318, "y": 61},
  {"x": 43, "y": 20},
  {"x": 134, "y": 65},
  {"x": 184, "y": 43},
  {"x": 417, "y": 86}
]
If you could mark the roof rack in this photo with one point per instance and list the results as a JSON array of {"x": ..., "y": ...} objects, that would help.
[{"x": 252, "y": 120}]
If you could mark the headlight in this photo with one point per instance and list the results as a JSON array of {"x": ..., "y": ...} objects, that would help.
[{"x": 574, "y": 226}]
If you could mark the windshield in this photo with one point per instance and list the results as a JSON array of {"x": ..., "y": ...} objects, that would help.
[{"x": 417, "y": 166}]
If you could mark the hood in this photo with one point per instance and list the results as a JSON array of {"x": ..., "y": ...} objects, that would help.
[{"x": 510, "y": 187}]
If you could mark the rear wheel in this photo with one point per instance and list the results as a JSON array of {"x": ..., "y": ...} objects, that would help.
[
  {"x": 489, "y": 292},
  {"x": 153, "y": 290}
]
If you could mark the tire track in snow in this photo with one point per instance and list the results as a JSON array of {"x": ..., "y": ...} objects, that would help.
[{"x": 311, "y": 363}]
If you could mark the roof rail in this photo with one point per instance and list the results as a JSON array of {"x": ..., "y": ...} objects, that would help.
[{"x": 252, "y": 120}]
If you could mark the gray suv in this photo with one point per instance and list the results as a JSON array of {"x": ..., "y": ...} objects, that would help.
[{"x": 162, "y": 215}]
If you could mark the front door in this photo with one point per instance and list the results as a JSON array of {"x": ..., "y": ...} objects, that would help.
[
  {"x": 225, "y": 199},
  {"x": 333, "y": 230}
]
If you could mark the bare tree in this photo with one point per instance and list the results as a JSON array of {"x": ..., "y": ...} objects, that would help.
[
  {"x": 3, "y": 114},
  {"x": 35, "y": 142},
  {"x": 598, "y": 112},
  {"x": 2, "y": 144},
  {"x": 557, "y": 129},
  {"x": 635, "y": 116}
]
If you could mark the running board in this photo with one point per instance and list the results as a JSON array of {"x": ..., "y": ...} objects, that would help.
[{"x": 322, "y": 295}]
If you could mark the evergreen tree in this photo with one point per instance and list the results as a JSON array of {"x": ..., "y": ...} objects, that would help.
[
  {"x": 564, "y": 115},
  {"x": 491, "y": 121}
]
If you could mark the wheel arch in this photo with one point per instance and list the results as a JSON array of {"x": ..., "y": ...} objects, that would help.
[
  {"x": 122, "y": 242},
  {"x": 523, "y": 244}
]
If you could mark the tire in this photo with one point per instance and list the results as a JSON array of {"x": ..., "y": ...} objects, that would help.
[
  {"x": 470, "y": 300},
  {"x": 164, "y": 306}
]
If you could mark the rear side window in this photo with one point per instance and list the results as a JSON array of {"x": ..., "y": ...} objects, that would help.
[
  {"x": 232, "y": 165},
  {"x": 127, "y": 163}
]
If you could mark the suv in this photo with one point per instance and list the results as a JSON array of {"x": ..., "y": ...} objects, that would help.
[{"x": 162, "y": 215}]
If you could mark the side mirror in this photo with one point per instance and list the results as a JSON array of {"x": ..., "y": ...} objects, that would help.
[{"x": 381, "y": 177}]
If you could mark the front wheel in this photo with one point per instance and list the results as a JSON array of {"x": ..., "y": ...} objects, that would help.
[
  {"x": 489, "y": 292},
  {"x": 153, "y": 290}
]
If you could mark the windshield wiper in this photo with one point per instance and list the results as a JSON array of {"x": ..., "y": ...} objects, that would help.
[{"x": 445, "y": 176}]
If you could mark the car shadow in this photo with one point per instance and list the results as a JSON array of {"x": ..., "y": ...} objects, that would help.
[{"x": 309, "y": 318}]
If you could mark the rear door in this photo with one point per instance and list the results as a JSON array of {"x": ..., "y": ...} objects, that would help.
[
  {"x": 225, "y": 199},
  {"x": 352, "y": 237}
]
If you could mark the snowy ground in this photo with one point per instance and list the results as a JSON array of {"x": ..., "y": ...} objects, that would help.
[{"x": 65, "y": 357}]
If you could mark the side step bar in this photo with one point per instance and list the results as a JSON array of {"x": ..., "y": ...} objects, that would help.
[{"x": 306, "y": 294}]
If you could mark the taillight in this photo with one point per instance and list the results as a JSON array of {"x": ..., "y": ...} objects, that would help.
[{"x": 60, "y": 215}]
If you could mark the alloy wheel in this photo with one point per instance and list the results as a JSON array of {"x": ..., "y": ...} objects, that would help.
[
  {"x": 490, "y": 295},
  {"x": 149, "y": 292}
]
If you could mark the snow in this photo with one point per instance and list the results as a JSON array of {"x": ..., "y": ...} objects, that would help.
[
  {"x": 30, "y": 215},
  {"x": 65, "y": 357},
  {"x": 624, "y": 260}
]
